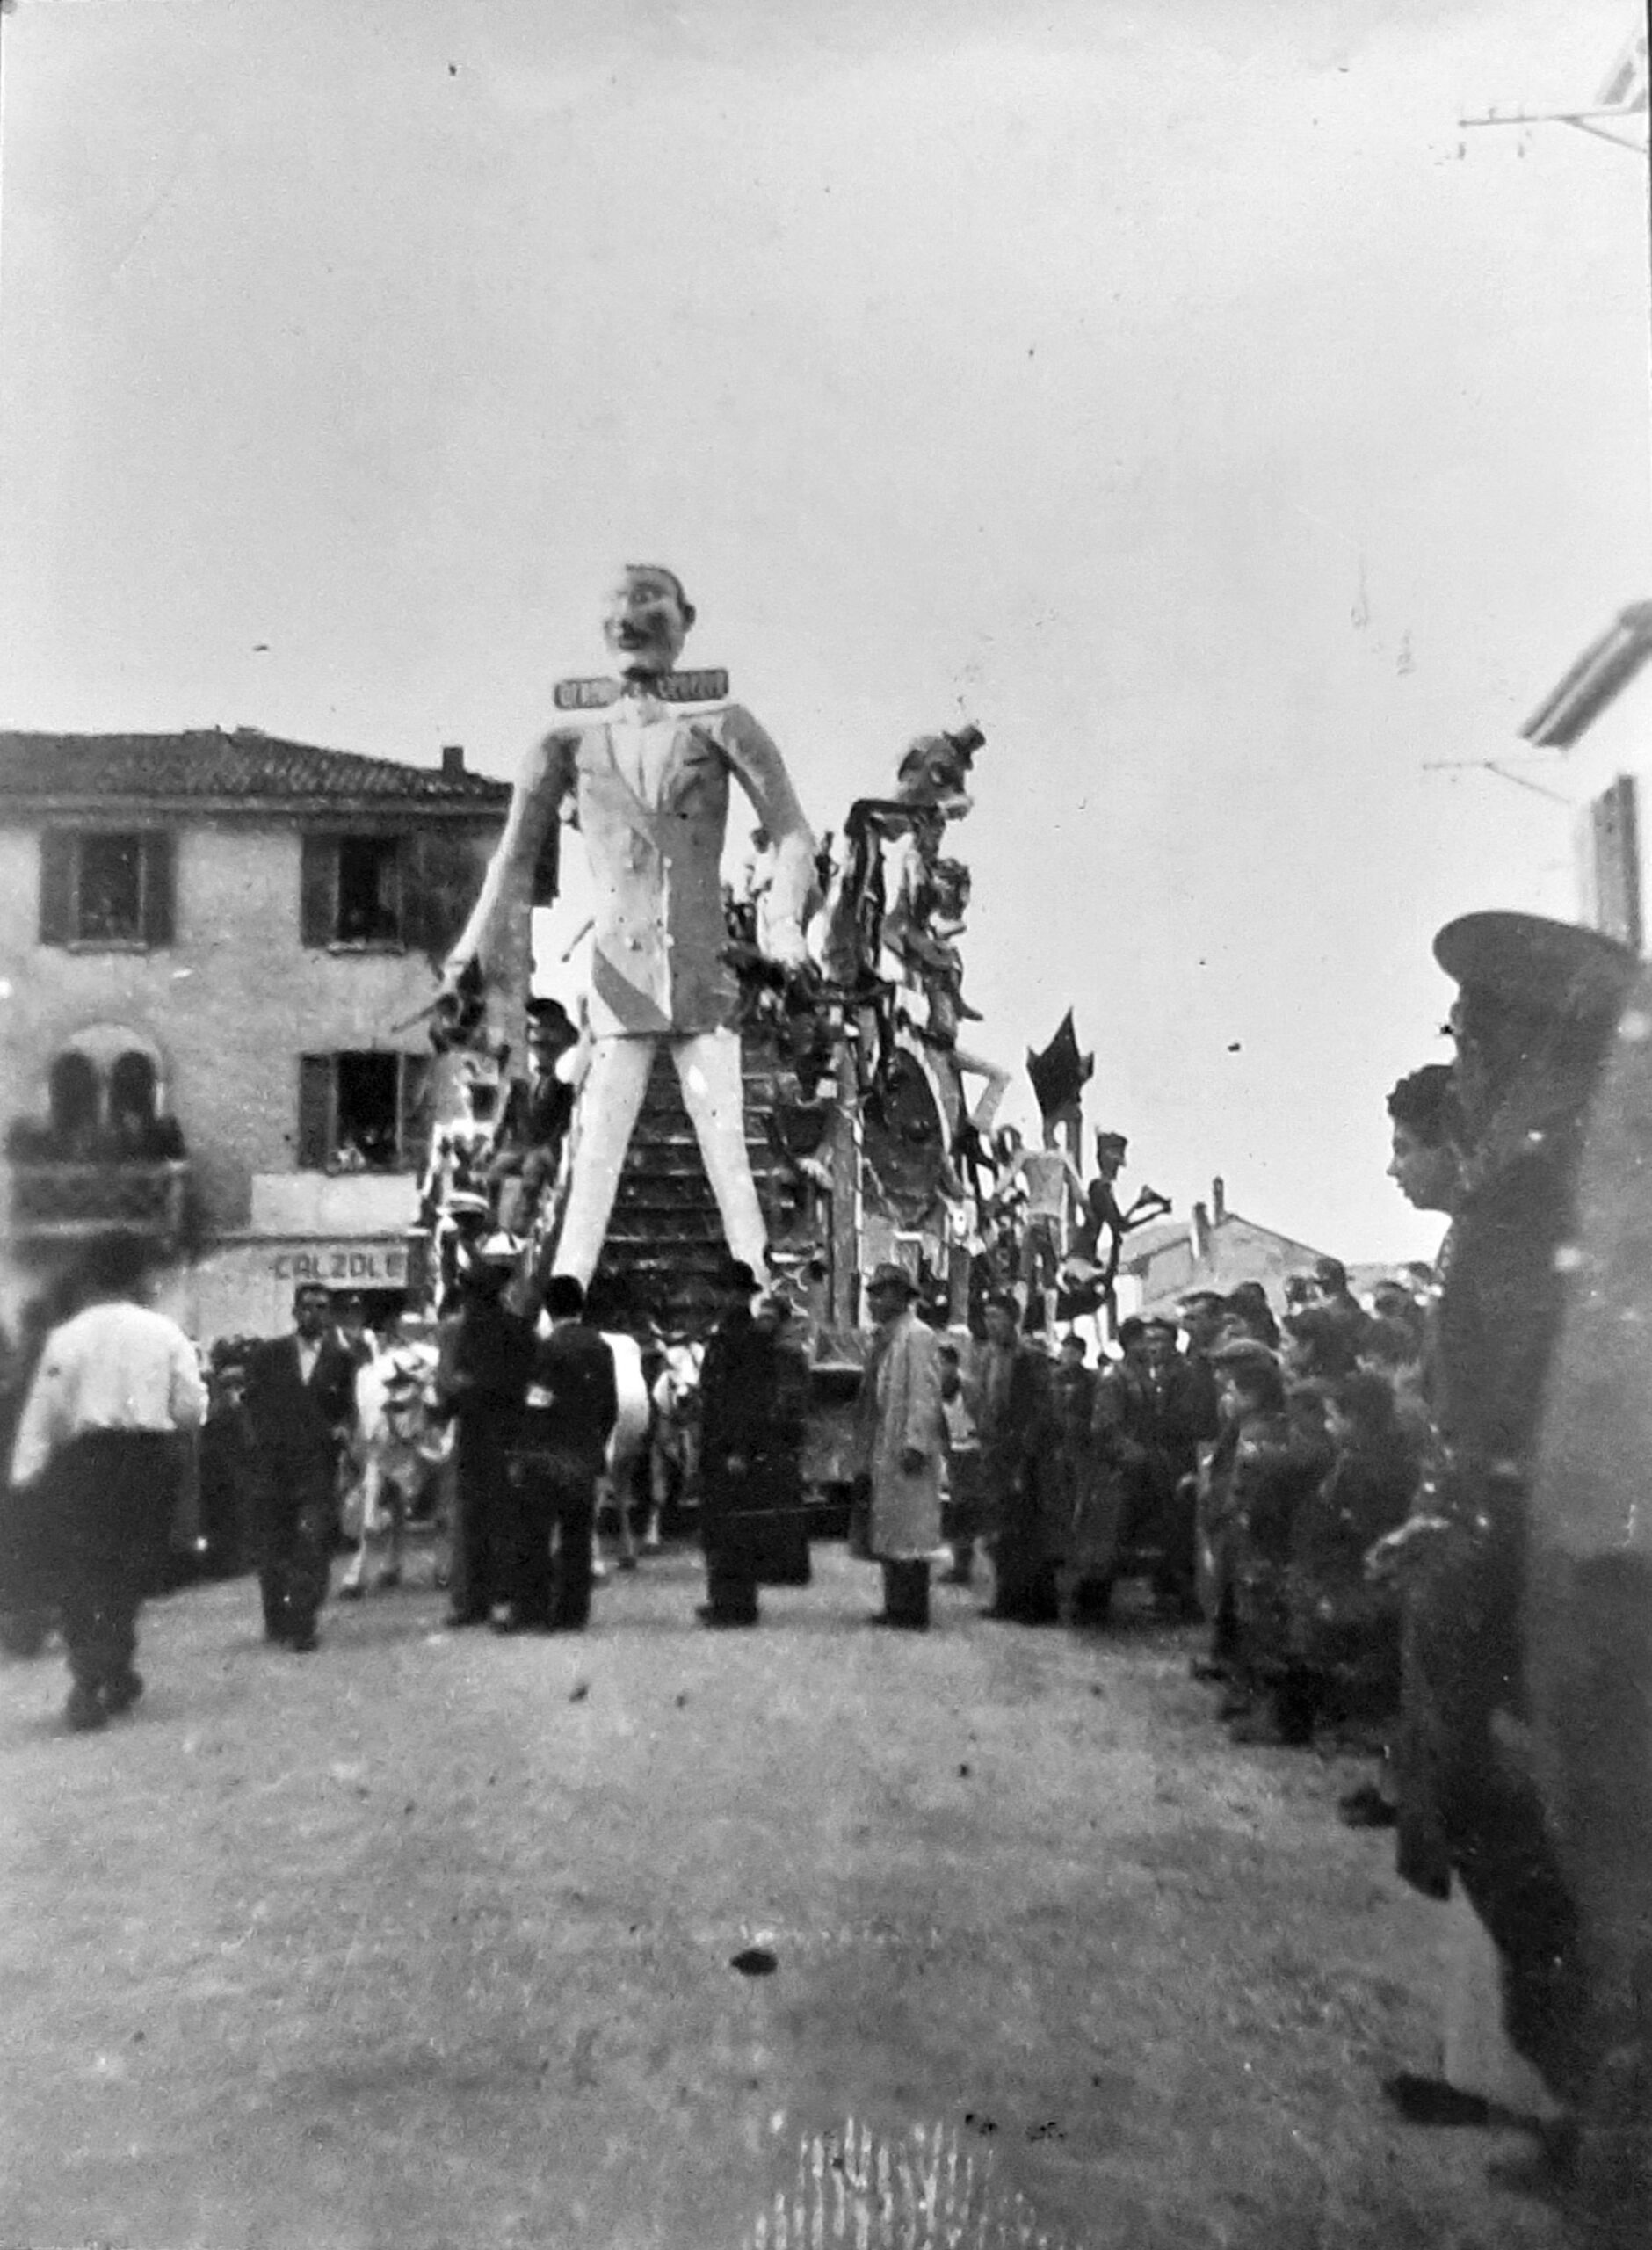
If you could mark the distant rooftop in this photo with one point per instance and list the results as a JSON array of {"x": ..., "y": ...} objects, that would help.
[{"x": 208, "y": 766}]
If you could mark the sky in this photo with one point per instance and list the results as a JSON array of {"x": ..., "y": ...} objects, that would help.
[{"x": 1177, "y": 392}]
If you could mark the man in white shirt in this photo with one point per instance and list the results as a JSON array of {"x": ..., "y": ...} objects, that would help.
[{"x": 99, "y": 1442}]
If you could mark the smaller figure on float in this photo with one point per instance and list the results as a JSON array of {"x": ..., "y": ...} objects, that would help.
[
  {"x": 1089, "y": 1272},
  {"x": 1054, "y": 1184},
  {"x": 525, "y": 1162},
  {"x": 459, "y": 1149}
]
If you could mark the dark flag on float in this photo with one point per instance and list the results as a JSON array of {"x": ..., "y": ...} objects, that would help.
[{"x": 1061, "y": 1073}]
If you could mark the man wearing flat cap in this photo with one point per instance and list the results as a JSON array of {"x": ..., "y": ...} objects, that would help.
[
  {"x": 1538, "y": 1003},
  {"x": 900, "y": 1436}
]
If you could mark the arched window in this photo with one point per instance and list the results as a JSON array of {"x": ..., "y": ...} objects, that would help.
[
  {"x": 106, "y": 1097},
  {"x": 75, "y": 1098},
  {"x": 132, "y": 1087}
]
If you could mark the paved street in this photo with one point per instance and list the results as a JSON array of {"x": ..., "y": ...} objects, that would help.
[{"x": 426, "y": 1940}]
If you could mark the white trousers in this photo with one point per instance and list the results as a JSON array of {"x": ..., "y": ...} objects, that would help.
[{"x": 708, "y": 1071}]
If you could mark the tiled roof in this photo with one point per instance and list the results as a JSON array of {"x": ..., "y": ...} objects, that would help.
[{"x": 246, "y": 767}]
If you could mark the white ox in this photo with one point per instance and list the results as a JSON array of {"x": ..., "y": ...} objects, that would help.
[
  {"x": 399, "y": 1450},
  {"x": 627, "y": 1444}
]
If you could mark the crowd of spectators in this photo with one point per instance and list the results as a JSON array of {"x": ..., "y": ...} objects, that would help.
[{"x": 1241, "y": 1462}]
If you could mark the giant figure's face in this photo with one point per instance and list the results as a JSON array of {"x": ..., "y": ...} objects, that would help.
[{"x": 646, "y": 622}]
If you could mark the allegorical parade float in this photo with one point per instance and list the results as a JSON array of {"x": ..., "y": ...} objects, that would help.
[{"x": 782, "y": 1069}]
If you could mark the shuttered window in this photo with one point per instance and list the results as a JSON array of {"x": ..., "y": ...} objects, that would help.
[
  {"x": 107, "y": 887},
  {"x": 355, "y": 889},
  {"x": 57, "y": 887},
  {"x": 159, "y": 885},
  {"x": 368, "y": 1111},
  {"x": 318, "y": 889},
  {"x": 315, "y": 1112},
  {"x": 416, "y": 1101}
]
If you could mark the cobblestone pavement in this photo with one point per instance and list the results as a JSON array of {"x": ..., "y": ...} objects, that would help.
[{"x": 428, "y": 1941}]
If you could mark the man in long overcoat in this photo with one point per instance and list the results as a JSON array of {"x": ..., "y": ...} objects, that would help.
[
  {"x": 1537, "y": 1006},
  {"x": 900, "y": 1438}
]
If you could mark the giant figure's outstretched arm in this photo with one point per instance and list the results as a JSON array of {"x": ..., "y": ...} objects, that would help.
[
  {"x": 495, "y": 936},
  {"x": 761, "y": 772}
]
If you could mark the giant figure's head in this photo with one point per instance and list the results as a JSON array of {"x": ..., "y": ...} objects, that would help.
[{"x": 646, "y": 619}]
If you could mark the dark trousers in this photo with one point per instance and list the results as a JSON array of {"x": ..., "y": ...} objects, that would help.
[
  {"x": 731, "y": 1572},
  {"x": 906, "y": 1593},
  {"x": 1027, "y": 1589},
  {"x": 963, "y": 1515},
  {"x": 479, "y": 1562},
  {"x": 98, "y": 1621},
  {"x": 295, "y": 1519},
  {"x": 112, "y": 1495},
  {"x": 554, "y": 1508}
]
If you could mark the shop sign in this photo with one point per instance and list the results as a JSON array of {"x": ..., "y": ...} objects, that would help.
[{"x": 343, "y": 1265}]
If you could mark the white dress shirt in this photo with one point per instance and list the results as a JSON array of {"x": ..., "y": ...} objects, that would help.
[
  {"x": 113, "y": 1367},
  {"x": 642, "y": 731}
]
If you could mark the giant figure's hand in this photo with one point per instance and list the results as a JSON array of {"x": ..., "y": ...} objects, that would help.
[{"x": 786, "y": 946}]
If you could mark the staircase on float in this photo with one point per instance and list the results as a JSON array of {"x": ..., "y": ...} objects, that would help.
[{"x": 665, "y": 1239}]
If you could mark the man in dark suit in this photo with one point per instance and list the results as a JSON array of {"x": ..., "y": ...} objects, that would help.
[
  {"x": 480, "y": 1377},
  {"x": 754, "y": 1392},
  {"x": 571, "y": 1406},
  {"x": 1021, "y": 1465},
  {"x": 302, "y": 1401}
]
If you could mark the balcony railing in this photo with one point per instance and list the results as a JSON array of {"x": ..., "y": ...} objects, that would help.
[{"x": 61, "y": 1202}]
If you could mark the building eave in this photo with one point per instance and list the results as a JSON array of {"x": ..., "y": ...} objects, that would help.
[
  {"x": 1595, "y": 681},
  {"x": 319, "y": 811}
]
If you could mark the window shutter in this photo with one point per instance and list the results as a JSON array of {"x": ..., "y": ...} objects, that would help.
[
  {"x": 318, "y": 889},
  {"x": 441, "y": 875},
  {"x": 315, "y": 1112},
  {"x": 417, "y": 1102},
  {"x": 57, "y": 886},
  {"x": 159, "y": 887}
]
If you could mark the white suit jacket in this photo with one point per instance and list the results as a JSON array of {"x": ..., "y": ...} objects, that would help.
[{"x": 656, "y": 867}]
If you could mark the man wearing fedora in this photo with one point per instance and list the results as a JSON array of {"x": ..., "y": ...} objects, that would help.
[
  {"x": 569, "y": 1408},
  {"x": 751, "y": 1429},
  {"x": 900, "y": 1443},
  {"x": 481, "y": 1374}
]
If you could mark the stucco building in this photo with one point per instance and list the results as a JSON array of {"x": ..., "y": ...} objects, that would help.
[
  {"x": 1600, "y": 715},
  {"x": 1213, "y": 1248},
  {"x": 213, "y": 947}
]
